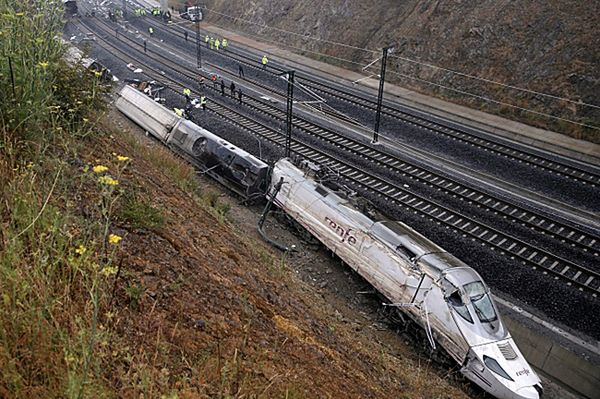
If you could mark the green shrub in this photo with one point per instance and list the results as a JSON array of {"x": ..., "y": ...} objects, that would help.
[{"x": 140, "y": 214}]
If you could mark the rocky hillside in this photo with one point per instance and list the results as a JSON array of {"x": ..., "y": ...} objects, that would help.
[{"x": 549, "y": 46}]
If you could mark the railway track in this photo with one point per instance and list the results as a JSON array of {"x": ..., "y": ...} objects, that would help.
[
  {"x": 580, "y": 277},
  {"x": 575, "y": 238},
  {"x": 570, "y": 171}
]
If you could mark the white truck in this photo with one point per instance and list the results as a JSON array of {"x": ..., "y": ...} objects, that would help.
[{"x": 193, "y": 14}]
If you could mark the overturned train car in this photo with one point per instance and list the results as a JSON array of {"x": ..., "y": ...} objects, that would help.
[
  {"x": 231, "y": 166},
  {"x": 444, "y": 296}
]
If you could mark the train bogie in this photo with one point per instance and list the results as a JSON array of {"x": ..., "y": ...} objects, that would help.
[{"x": 232, "y": 166}]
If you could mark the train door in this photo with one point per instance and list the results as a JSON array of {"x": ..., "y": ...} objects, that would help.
[
  {"x": 422, "y": 289},
  {"x": 442, "y": 323}
]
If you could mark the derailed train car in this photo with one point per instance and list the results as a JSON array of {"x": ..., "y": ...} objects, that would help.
[
  {"x": 440, "y": 293},
  {"x": 74, "y": 56},
  {"x": 444, "y": 296},
  {"x": 231, "y": 166}
]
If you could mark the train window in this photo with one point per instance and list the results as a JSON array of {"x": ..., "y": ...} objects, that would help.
[
  {"x": 480, "y": 299},
  {"x": 321, "y": 190},
  {"x": 460, "y": 307},
  {"x": 402, "y": 250},
  {"x": 179, "y": 136},
  {"x": 199, "y": 146}
]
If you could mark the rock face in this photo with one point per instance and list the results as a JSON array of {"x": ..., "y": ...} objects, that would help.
[{"x": 549, "y": 46}]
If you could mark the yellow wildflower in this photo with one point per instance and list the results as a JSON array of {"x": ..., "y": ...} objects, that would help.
[
  {"x": 122, "y": 158},
  {"x": 109, "y": 271},
  {"x": 43, "y": 64},
  {"x": 114, "y": 239},
  {"x": 85, "y": 120},
  {"x": 98, "y": 74},
  {"x": 99, "y": 168},
  {"x": 29, "y": 165},
  {"x": 69, "y": 358},
  {"x": 109, "y": 181},
  {"x": 19, "y": 14},
  {"x": 80, "y": 250}
]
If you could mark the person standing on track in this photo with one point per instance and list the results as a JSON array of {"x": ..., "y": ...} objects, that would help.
[
  {"x": 144, "y": 45},
  {"x": 241, "y": 71},
  {"x": 203, "y": 102},
  {"x": 185, "y": 35},
  {"x": 212, "y": 43},
  {"x": 224, "y": 43},
  {"x": 232, "y": 89},
  {"x": 217, "y": 44},
  {"x": 187, "y": 93},
  {"x": 206, "y": 40},
  {"x": 222, "y": 87},
  {"x": 265, "y": 61},
  {"x": 151, "y": 31},
  {"x": 240, "y": 95},
  {"x": 214, "y": 80}
]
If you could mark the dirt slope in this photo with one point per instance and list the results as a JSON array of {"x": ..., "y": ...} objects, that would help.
[
  {"x": 547, "y": 46},
  {"x": 220, "y": 313}
]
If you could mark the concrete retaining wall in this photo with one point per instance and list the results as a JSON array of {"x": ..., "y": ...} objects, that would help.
[{"x": 559, "y": 363}]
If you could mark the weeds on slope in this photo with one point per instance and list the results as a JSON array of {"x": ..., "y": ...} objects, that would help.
[{"x": 55, "y": 263}]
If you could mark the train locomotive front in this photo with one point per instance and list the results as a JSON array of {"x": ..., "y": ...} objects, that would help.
[{"x": 443, "y": 295}]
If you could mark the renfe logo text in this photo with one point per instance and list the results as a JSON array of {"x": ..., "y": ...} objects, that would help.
[{"x": 345, "y": 234}]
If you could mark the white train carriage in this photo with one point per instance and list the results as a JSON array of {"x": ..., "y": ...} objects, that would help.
[
  {"x": 230, "y": 165},
  {"x": 438, "y": 291}
]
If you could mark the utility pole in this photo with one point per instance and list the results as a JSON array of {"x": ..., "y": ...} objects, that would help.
[
  {"x": 380, "y": 96},
  {"x": 198, "y": 51},
  {"x": 290, "y": 102}
]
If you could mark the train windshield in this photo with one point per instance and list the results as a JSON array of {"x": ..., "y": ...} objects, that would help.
[
  {"x": 481, "y": 301},
  {"x": 457, "y": 303}
]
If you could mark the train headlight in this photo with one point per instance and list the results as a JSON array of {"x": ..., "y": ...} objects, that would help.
[{"x": 493, "y": 365}]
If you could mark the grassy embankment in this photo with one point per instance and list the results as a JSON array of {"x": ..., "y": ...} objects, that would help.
[
  {"x": 57, "y": 260},
  {"x": 59, "y": 251}
]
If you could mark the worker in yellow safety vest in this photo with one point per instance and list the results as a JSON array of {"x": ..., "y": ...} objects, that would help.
[
  {"x": 178, "y": 112},
  {"x": 265, "y": 61},
  {"x": 206, "y": 40},
  {"x": 224, "y": 43},
  {"x": 212, "y": 43},
  {"x": 203, "y": 103},
  {"x": 217, "y": 44},
  {"x": 151, "y": 31},
  {"x": 187, "y": 92}
]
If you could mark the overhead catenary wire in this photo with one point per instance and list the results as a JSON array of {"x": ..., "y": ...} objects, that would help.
[
  {"x": 496, "y": 101},
  {"x": 422, "y": 63},
  {"x": 279, "y": 43},
  {"x": 537, "y": 93}
]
